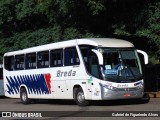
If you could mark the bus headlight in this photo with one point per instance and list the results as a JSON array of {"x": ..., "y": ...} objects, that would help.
[
  {"x": 140, "y": 86},
  {"x": 110, "y": 87}
]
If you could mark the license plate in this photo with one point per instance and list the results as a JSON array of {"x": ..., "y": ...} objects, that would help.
[{"x": 127, "y": 95}]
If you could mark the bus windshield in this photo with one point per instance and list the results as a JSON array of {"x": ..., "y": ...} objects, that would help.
[{"x": 121, "y": 65}]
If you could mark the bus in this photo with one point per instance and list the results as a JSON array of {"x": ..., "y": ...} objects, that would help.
[
  {"x": 1, "y": 81},
  {"x": 80, "y": 69}
]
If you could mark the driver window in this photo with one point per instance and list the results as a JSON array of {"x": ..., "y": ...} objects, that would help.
[
  {"x": 94, "y": 67},
  {"x": 90, "y": 60}
]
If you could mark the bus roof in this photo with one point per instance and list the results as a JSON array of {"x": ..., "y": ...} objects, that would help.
[
  {"x": 102, "y": 42},
  {"x": 105, "y": 42}
]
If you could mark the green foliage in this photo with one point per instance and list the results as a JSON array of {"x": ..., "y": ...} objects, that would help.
[
  {"x": 39, "y": 37},
  {"x": 151, "y": 25},
  {"x": 27, "y": 23},
  {"x": 121, "y": 30},
  {"x": 146, "y": 23},
  {"x": 32, "y": 38},
  {"x": 153, "y": 59},
  {"x": 70, "y": 33},
  {"x": 25, "y": 8},
  {"x": 54, "y": 9},
  {"x": 96, "y": 6},
  {"x": 6, "y": 13}
]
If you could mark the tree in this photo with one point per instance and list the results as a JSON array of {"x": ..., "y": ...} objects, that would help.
[{"x": 25, "y": 23}]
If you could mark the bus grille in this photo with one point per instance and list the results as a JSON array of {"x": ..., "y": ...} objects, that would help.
[{"x": 127, "y": 89}]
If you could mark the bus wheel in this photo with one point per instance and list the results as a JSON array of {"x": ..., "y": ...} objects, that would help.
[
  {"x": 80, "y": 98},
  {"x": 24, "y": 97},
  {"x": 146, "y": 98}
]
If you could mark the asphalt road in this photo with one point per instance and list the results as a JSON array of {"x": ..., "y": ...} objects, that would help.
[{"x": 63, "y": 109}]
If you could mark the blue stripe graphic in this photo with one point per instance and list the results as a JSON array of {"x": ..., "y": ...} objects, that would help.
[{"x": 36, "y": 84}]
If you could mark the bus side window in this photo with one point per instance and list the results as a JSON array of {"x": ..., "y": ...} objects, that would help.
[
  {"x": 43, "y": 59},
  {"x": 90, "y": 60},
  {"x": 85, "y": 50},
  {"x": 71, "y": 56},
  {"x": 31, "y": 61},
  {"x": 9, "y": 63},
  {"x": 56, "y": 58},
  {"x": 19, "y": 62}
]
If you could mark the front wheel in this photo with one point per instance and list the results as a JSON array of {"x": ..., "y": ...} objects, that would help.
[
  {"x": 146, "y": 98},
  {"x": 24, "y": 97},
  {"x": 80, "y": 98}
]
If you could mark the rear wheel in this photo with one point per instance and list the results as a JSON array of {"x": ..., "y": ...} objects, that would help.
[
  {"x": 80, "y": 98},
  {"x": 24, "y": 97}
]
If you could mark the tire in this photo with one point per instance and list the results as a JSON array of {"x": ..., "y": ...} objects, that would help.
[
  {"x": 146, "y": 98},
  {"x": 80, "y": 98},
  {"x": 24, "y": 97}
]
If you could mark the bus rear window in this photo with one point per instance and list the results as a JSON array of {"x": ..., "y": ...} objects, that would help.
[
  {"x": 9, "y": 63},
  {"x": 1, "y": 73}
]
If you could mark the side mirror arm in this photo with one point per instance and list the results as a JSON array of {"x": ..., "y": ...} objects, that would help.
[
  {"x": 145, "y": 56},
  {"x": 100, "y": 56}
]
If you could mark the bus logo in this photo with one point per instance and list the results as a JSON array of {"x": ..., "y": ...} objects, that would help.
[{"x": 66, "y": 73}]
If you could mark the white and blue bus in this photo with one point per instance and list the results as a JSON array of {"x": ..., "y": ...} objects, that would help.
[
  {"x": 80, "y": 69},
  {"x": 1, "y": 81}
]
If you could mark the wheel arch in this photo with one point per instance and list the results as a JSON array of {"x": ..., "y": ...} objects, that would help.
[
  {"x": 24, "y": 87},
  {"x": 75, "y": 87}
]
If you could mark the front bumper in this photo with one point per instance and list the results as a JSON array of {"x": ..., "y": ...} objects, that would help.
[{"x": 126, "y": 93}]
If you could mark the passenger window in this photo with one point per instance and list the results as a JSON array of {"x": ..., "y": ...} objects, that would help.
[
  {"x": 43, "y": 59},
  {"x": 19, "y": 62},
  {"x": 71, "y": 56},
  {"x": 9, "y": 63},
  {"x": 31, "y": 61},
  {"x": 56, "y": 58}
]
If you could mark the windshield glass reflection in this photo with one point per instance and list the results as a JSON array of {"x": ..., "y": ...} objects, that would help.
[{"x": 121, "y": 65}]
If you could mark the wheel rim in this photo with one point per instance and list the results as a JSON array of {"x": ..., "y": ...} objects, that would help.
[
  {"x": 80, "y": 97},
  {"x": 24, "y": 96}
]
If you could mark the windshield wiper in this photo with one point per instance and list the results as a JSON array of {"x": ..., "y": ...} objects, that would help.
[
  {"x": 124, "y": 63},
  {"x": 131, "y": 72}
]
